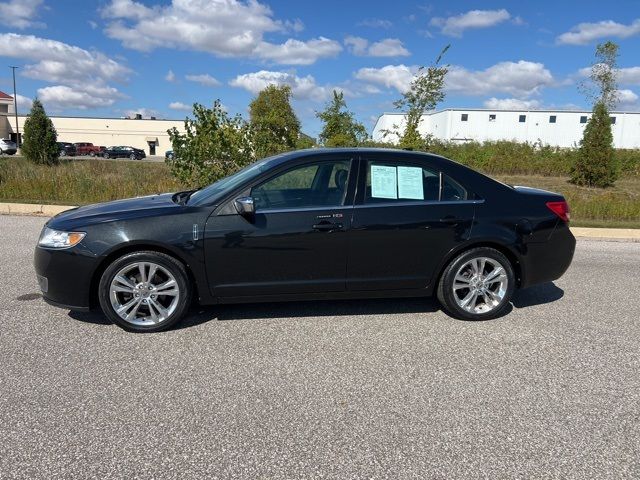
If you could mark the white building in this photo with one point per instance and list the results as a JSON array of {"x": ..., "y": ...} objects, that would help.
[
  {"x": 548, "y": 127},
  {"x": 148, "y": 134}
]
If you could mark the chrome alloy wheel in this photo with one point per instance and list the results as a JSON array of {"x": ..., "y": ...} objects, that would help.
[
  {"x": 480, "y": 285},
  {"x": 144, "y": 293}
]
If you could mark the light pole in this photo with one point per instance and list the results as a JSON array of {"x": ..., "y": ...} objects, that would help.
[{"x": 15, "y": 105}]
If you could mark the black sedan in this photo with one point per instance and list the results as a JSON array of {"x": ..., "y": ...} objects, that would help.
[
  {"x": 312, "y": 224},
  {"x": 131, "y": 153},
  {"x": 67, "y": 149}
]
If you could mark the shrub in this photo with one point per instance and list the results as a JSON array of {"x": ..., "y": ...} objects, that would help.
[{"x": 39, "y": 137}]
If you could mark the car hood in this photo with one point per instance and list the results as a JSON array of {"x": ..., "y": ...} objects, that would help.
[{"x": 117, "y": 210}]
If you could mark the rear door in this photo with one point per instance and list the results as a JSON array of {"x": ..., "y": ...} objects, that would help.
[
  {"x": 297, "y": 242},
  {"x": 407, "y": 216}
]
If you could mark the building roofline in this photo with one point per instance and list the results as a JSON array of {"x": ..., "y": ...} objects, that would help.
[
  {"x": 22, "y": 115},
  {"x": 508, "y": 110}
]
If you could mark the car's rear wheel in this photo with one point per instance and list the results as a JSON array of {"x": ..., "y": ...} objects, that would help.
[
  {"x": 477, "y": 284},
  {"x": 145, "y": 291},
  {"x": 106, "y": 155}
]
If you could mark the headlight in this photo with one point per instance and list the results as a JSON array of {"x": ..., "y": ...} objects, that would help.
[{"x": 56, "y": 239}]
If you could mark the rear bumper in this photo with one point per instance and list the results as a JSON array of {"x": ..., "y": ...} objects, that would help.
[
  {"x": 65, "y": 276},
  {"x": 548, "y": 261},
  {"x": 10, "y": 151}
]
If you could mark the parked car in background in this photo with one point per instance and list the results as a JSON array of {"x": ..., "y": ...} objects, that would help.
[
  {"x": 86, "y": 148},
  {"x": 124, "y": 152},
  {"x": 168, "y": 155},
  {"x": 8, "y": 147},
  {"x": 313, "y": 224},
  {"x": 67, "y": 149}
]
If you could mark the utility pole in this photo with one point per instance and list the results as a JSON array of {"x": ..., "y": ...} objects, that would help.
[{"x": 15, "y": 105}]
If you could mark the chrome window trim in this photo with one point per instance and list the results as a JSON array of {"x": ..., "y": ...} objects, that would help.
[{"x": 374, "y": 205}]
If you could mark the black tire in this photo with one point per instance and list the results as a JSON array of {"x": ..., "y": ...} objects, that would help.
[
  {"x": 446, "y": 294},
  {"x": 167, "y": 262},
  {"x": 106, "y": 155},
  {"x": 92, "y": 154},
  {"x": 132, "y": 156}
]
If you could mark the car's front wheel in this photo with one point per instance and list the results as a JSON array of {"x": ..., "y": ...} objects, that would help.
[
  {"x": 132, "y": 156},
  {"x": 477, "y": 284},
  {"x": 145, "y": 291},
  {"x": 106, "y": 155}
]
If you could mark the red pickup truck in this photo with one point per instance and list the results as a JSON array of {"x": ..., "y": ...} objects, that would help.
[{"x": 84, "y": 148}]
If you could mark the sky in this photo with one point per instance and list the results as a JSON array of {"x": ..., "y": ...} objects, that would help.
[{"x": 113, "y": 58}]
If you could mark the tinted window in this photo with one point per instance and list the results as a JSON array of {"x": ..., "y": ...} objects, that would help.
[
  {"x": 583, "y": 119},
  {"x": 320, "y": 184},
  {"x": 613, "y": 120},
  {"x": 492, "y": 117},
  {"x": 464, "y": 117},
  {"x": 452, "y": 191},
  {"x": 552, "y": 119},
  {"x": 522, "y": 118}
]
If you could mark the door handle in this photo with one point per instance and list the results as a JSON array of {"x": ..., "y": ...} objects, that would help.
[{"x": 327, "y": 226}]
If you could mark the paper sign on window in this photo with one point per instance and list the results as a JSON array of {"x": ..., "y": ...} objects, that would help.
[
  {"x": 410, "y": 183},
  {"x": 383, "y": 182}
]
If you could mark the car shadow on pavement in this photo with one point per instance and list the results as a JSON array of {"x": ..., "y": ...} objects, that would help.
[
  {"x": 311, "y": 308},
  {"x": 537, "y": 295}
]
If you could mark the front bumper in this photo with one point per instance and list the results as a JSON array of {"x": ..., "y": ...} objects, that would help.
[{"x": 65, "y": 276}]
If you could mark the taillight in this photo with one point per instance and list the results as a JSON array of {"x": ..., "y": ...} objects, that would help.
[{"x": 561, "y": 209}]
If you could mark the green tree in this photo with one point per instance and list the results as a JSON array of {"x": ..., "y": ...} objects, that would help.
[
  {"x": 425, "y": 93},
  {"x": 212, "y": 146},
  {"x": 274, "y": 125},
  {"x": 39, "y": 137},
  {"x": 340, "y": 128},
  {"x": 594, "y": 165}
]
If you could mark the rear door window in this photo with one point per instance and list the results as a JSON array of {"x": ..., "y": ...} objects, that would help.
[{"x": 394, "y": 181}]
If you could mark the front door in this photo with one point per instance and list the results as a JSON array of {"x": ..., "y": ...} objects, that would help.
[
  {"x": 297, "y": 242},
  {"x": 407, "y": 217}
]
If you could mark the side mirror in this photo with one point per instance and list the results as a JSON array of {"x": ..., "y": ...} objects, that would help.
[{"x": 245, "y": 207}]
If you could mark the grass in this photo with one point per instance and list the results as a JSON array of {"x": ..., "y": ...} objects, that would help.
[
  {"x": 617, "y": 207},
  {"x": 79, "y": 182}
]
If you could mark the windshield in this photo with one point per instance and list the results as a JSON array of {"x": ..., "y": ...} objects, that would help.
[{"x": 228, "y": 183}]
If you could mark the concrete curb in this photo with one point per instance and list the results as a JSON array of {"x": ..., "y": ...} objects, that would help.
[
  {"x": 618, "y": 234},
  {"x": 32, "y": 209}
]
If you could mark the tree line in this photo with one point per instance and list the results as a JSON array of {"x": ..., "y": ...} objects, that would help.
[{"x": 214, "y": 144}]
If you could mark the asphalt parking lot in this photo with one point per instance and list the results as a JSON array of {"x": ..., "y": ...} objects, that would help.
[{"x": 350, "y": 389}]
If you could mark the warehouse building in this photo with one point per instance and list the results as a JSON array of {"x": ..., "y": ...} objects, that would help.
[
  {"x": 558, "y": 128},
  {"x": 149, "y": 135}
]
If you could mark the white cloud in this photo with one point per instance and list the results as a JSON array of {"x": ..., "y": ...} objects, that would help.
[
  {"x": 302, "y": 88},
  {"x": 390, "y": 76},
  {"x": 389, "y": 47},
  {"x": 627, "y": 100},
  {"x": 170, "y": 76},
  {"x": 296, "y": 52},
  {"x": 511, "y": 104},
  {"x": 82, "y": 76},
  {"x": 585, "y": 33},
  {"x": 20, "y": 13},
  {"x": 625, "y": 76},
  {"x": 375, "y": 23},
  {"x": 180, "y": 106},
  {"x": 203, "y": 79},
  {"x": 62, "y": 96},
  {"x": 226, "y": 28},
  {"x": 629, "y": 76},
  {"x": 519, "y": 79},
  {"x": 454, "y": 26},
  {"x": 24, "y": 103}
]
